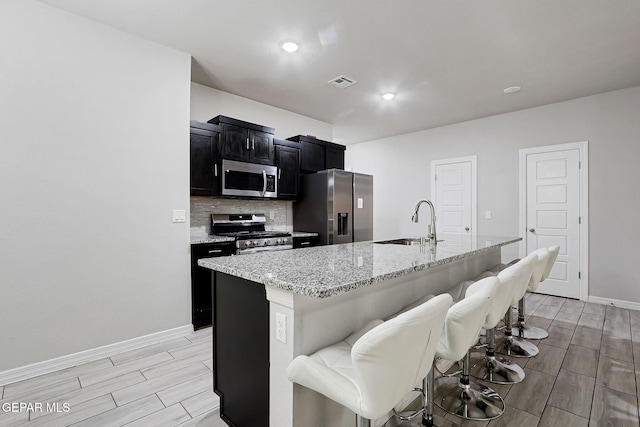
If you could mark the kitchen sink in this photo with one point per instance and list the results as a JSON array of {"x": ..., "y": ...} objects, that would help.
[{"x": 405, "y": 241}]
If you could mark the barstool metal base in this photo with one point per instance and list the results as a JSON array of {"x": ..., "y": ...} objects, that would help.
[
  {"x": 497, "y": 370},
  {"x": 516, "y": 347},
  {"x": 529, "y": 332},
  {"x": 472, "y": 401}
]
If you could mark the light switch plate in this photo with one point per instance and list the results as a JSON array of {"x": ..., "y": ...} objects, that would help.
[
  {"x": 179, "y": 215},
  {"x": 487, "y": 215}
]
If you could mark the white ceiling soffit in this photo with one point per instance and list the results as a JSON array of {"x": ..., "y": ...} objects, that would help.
[{"x": 447, "y": 61}]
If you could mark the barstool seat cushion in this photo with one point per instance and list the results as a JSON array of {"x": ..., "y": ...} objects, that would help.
[{"x": 370, "y": 371}]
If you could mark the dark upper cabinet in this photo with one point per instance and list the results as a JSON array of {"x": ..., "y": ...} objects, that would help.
[
  {"x": 312, "y": 156},
  {"x": 288, "y": 163},
  {"x": 317, "y": 155},
  {"x": 245, "y": 142},
  {"x": 234, "y": 143},
  {"x": 204, "y": 142},
  {"x": 334, "y": 157}
]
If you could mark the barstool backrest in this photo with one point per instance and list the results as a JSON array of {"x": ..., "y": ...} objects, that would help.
[
  {"x": 553, "y": 254},
  {"x": 466, "y": 318},
  {"x": 499, "y": 304},
  {"x": 538, "y": 268},
  {"x": 517, "y": 277},
  {"x": 392, "y": 357}
]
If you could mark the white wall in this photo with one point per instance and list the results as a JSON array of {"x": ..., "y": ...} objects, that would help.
[
  {"x": 206, "y": 103},
  {"x": 610, "y": 122},
  {"x": 94, "y": 157}
]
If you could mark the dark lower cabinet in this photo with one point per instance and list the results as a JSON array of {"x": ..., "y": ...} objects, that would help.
[
  {"x": 201, "y": 313},
  {"x": 241, "y": 350},
  {"x": 305, "y": 242}
]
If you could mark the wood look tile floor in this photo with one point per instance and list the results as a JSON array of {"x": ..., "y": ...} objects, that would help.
[
  {"x": 165, "y": 384},
  {"x": 587, "y": 374}
]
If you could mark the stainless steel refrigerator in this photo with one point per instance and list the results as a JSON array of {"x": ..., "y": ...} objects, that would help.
[{"x": 336, "y": 204}]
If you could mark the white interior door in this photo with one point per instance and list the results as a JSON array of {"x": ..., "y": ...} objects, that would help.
[
  {"x": 454, "y": 190},
  {"x": 553, "y": 216}
]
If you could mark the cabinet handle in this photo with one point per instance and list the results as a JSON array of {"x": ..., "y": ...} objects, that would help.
[
  {"x": 247, "y": 143},
  {"x": 253, "y": 144},
  {"x": 279, "y": 173},
  {"x": 215, "y": 251},
  {"x": 304, "y": 243},
  {"x": 215, "y": 169}
]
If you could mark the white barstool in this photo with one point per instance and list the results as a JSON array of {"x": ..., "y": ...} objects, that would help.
[
  {"x": 508, "y": 344},
  {"x": 521, "y": 329},
  {"x": 366, "y": 372},
  {"x": 498, "y": 369},
  {"x": 461, "y": 328}
]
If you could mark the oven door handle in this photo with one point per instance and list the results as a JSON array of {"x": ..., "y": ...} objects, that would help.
[{"x": 264, "y": 182}]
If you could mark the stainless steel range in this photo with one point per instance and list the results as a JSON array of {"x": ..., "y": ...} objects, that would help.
[{"x": 249, "y": 232}]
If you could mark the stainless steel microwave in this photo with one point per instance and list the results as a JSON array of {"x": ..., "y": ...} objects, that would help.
[{"x": 249, "y": 179}]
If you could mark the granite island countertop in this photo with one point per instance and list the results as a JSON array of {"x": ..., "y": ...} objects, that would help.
[{"x": 325, "y": 271}]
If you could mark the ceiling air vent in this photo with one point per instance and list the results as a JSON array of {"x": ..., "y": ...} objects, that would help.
[{"x": 342, "y": 82}]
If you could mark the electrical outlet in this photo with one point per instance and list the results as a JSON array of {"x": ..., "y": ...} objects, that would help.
[{"x": 281, "y": 327}]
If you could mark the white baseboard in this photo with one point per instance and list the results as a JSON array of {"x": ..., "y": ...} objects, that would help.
[
  {"x": 63, "y": 362},
  {"x": 615, "y": 302}
]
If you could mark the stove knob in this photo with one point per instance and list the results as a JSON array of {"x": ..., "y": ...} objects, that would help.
[
  {"x": 279, "y": 241},
  {"x": 267, "y": 242},
  {"x": 248, "y": 243}
]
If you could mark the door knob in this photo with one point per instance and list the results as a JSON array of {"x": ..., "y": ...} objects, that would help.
[
  {"x": 466, "y": 229},
  {"x": 533, "y": 230}
]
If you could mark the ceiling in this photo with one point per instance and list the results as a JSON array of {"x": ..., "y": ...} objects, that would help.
[{"x": 447, "y": 61}]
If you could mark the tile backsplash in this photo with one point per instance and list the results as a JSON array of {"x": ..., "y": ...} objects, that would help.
[{"x": 203, "y": 207}]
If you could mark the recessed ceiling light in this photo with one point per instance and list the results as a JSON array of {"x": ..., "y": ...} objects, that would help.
[
  {"x": 388, "y": 96},
  {"x": 512, "y": 89},
  {"x": 290, "y": 47}
]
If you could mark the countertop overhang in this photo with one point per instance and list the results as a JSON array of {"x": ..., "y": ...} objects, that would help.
[{"x": 325, "y": 271}]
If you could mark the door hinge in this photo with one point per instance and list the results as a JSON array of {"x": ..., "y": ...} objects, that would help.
[
  {"x": 579, "y": 220},
  {"x": 435, "y": 177},
  {"x": 579, "y": 275},
  {"x": 579, "y": 165}
]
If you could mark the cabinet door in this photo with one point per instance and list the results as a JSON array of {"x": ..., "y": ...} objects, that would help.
[
  {"x": 235, "y": 143},
  {"x": 204, "y": 155},
  {"x": 201, "y": 313},
  {"x": 334, "y": 158},
  {"x": 288, "y": 162},
  {"x": 262, "y": 150},
  {"x": 312, "y": 157}
]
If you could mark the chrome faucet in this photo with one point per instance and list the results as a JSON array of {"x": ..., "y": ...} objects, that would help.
[{"x": 431, "y": 229}]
